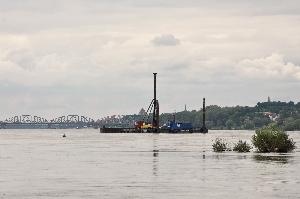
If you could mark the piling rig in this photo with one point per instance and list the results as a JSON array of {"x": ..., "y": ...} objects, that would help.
[
  {"x": 153, "y": 108},
  {"x": 150, "y": 122}
]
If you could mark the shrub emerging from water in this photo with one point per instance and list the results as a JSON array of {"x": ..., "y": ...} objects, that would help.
[
  {"x": 220, "y": 145},
  {"x": 242, "y": 147},
  {"x": 272, "y": 139}
]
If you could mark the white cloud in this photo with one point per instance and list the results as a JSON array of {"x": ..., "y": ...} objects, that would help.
[{"x": 273, "y": 67}]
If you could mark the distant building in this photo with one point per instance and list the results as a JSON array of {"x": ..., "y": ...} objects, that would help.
[
  {"x": 269, "y": 99},
  {"x": 272, "y": 116},
  {"x": 185, "y": 107},
  {"x": 142, "y": 112}
]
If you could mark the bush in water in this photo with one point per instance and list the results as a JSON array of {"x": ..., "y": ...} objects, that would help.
[
  {"x": 242, "y": 147},
  {"x": 219, "y": 145},
  {"x": 272, "y": 139}
]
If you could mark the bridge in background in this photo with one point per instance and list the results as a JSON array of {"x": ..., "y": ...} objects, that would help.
[{"x": 36, "y": 122}]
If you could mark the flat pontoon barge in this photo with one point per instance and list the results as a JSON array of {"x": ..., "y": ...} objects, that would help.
[{"x": 134, "y": 130}]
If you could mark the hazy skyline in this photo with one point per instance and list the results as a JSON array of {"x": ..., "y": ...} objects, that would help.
[{"x": 96, "y": 58}]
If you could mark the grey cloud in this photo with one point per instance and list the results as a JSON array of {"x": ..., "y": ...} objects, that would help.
[
  {"x": 176, "y": 67},
  {"x": 166, "y": 40},
  {"x": 87, "y": 55},
  {"x": 36, "y": 15},
  {"x": 217, "y": 6}
]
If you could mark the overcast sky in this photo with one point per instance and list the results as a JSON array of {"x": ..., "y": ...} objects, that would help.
[{"x": 96, "y": 57}]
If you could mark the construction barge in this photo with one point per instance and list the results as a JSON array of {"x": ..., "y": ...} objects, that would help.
[{"x": 153, "y": 126}]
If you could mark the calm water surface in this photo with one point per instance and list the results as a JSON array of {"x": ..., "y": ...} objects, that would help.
[{"x": 87, "y": 164}]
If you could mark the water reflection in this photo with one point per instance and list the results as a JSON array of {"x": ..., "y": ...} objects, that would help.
[
  {"x": 155, "y": 162},
  {"x": 155, "y": 156},
  {"x": 241, "y": 157},
  {"x": 283, "y": 159},
  {"x": 155, "y": 153},
  {"x": 259, "y": 158}
]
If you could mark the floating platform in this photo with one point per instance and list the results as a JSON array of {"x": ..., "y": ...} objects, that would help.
[
  {"x": 153, "y": 127},
  {"x": 135, "y": 130}
]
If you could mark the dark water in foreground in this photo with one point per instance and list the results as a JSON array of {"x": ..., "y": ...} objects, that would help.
[{"x": 87, "y": 164}]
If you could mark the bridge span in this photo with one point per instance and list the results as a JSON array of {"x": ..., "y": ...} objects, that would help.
[{"x": 36, "y": 122}]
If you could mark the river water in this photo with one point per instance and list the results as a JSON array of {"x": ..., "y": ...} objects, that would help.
[{"x": 87, "y": 164}]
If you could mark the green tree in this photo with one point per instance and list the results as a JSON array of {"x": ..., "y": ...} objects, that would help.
[{"x": 230, "y": 124}]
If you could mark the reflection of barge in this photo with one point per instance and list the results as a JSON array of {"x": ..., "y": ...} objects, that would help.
[
  {"x": 153, "y": 127},
  {"x": 135, "y": 130}
]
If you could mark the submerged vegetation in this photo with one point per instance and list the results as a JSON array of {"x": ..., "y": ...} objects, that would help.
[
  {"x": 242, "y": 147},
  {"x": 267, "y": 139},
  {"x": 220, "y": 145},
  {"x": 272, "y": 139}
]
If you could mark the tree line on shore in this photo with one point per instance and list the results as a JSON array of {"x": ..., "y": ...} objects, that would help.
[{"x": 285, "y": 114}]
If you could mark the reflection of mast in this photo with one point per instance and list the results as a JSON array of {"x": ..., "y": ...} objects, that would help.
[
  {"x": 155, "y": 162},
  {"x": 155, "y": 157}
]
